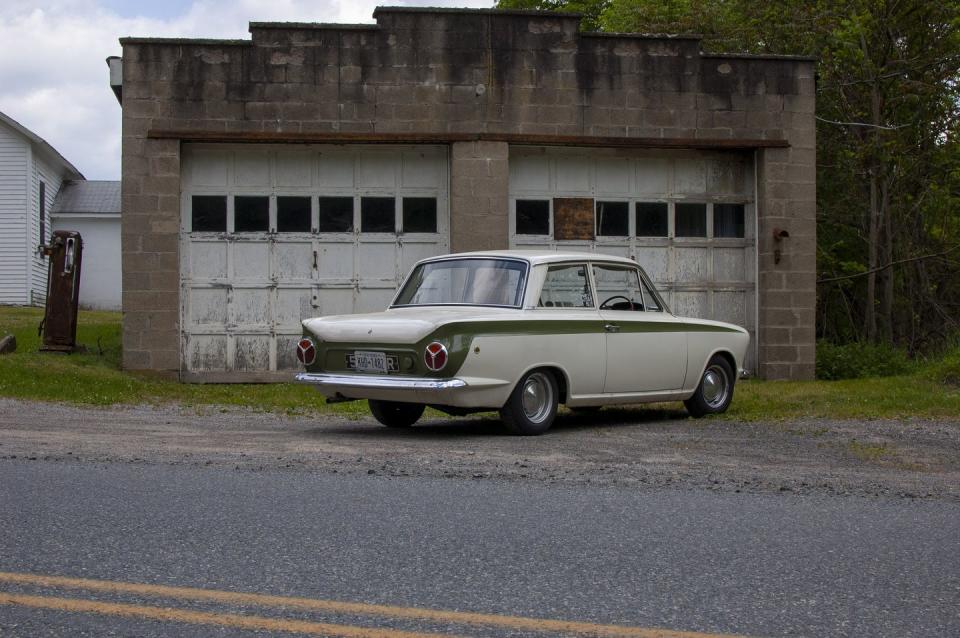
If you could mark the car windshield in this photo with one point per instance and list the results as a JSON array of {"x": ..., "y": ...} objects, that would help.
[{"x": 477, "y": 282}]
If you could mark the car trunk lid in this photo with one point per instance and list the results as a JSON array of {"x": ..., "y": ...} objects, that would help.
[{"x": 398, "y": 325}]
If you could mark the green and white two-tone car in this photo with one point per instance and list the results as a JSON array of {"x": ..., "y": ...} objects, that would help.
[{"x": 522, "y": 332}]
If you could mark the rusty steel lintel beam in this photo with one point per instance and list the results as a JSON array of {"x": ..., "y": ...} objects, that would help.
[{"x": 448, "y": 138}]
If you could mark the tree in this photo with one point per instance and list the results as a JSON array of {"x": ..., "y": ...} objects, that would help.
[
  {"x": 888, "y": 183},
  {"x": 590, "y": 9}
]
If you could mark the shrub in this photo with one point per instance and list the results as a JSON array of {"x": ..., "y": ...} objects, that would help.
[
  {"x": 858, "y": 360},
  {"x": 947, "y": 369}
]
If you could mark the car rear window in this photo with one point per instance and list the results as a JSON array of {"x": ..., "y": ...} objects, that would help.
[{"x": 477, "y": 282}]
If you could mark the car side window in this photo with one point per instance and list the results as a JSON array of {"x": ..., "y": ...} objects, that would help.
[
  {"x": 652, "y": 304},
  {"x": 566, "y": 286},
  {"x": 618, "y": 287}
]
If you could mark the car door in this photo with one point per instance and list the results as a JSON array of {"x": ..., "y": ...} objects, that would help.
[
  {"x": 570, "y": 328},
  {"x": 646, "y": 346}
]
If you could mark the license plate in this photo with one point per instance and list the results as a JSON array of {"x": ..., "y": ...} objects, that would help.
[{"x": 363, "y": 361}]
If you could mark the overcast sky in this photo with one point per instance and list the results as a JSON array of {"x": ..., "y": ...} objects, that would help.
[{"x": 54, "y": 81}]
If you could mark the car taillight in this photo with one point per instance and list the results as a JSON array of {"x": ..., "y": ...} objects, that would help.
[
  {"x": 435, "y": 356},
  {"x": 306, "y": 351}
]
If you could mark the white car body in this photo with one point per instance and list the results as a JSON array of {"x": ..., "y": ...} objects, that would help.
[{"x": 599, "y": 356}]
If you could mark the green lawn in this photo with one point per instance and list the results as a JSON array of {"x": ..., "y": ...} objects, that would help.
[{"x": 94, "y": 377}]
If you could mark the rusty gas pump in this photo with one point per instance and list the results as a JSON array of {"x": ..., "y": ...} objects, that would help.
[{"x": 59, "y": 326}]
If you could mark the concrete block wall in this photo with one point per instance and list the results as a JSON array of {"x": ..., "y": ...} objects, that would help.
[
  {"x": 485, "y": 79},
  {"x": 479, "y": 183}
]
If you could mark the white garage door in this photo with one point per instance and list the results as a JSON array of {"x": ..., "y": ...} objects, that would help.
[
  {"x": 273, "y": 235},
  {"x": 689, "y": 218}
]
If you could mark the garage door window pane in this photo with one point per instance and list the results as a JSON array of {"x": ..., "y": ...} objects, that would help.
[
  {"x": 251, "y": 214},
  {"x": 728, "y": 220},
  {"x": 691, "y": 220},
  {"x": 209, "y": 213},
  {"x": 613, "y": 219},
  {"x": 377, "y": 215},
  {"x": 419, "y": 214},
  {"x": 651, "y": 219},
  {"x": 533, "y": 217},
  {"x": 336, "y": 215},
  {"x": 293, "y": 214}
]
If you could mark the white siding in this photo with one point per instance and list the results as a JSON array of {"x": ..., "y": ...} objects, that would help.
[
  {"x": 100, "y": 281},
  {"x": 46, "y": 173},
  {"x": 14, "y": 156}
]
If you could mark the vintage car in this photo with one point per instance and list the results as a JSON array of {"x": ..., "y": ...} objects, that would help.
[{"x": 522, "y": 332}]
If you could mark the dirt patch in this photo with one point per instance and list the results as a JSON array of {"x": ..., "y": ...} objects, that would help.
[{"x": 649, "y": 448}]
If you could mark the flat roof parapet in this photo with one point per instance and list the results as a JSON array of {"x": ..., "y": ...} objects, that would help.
[
  {"x": 641, "y": 36},
  {"x": 213, "y": 41},
  {"x": 314, "y": 25},
  {"x": 493, "y": 12}
]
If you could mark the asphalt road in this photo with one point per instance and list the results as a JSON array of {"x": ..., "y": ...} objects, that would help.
[{"x": 691, "y": 561}]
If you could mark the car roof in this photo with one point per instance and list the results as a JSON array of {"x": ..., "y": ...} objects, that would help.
[{"x": 539, "y": 256}]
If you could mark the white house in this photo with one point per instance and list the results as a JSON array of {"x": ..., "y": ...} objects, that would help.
[
  {"x": 92, "y": 208},
  {"x": 31, "y": 174}
]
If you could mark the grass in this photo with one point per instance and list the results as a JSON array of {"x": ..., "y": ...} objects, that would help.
[
  {"x": 94, "y": 377},
  {"x": 899, "y": 397}
]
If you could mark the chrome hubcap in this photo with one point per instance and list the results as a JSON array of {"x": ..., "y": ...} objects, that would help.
[
  {"x": 715, "y": 386},
  {"x": 537, "y": 397}
]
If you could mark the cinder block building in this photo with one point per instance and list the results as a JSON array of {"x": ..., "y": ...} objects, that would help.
[{"x": 304, "y": 170}]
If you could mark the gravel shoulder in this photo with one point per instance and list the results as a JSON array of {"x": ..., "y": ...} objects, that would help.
[{"x": 648, "y": 448}]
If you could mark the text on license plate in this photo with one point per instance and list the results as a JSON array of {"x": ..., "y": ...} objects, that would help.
[{"x": 365, "y": 361}]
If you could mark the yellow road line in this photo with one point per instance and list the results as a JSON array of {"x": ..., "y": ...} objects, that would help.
[
  {"x": 234, "y": 621},
  {"x": 339, "y": 607}
]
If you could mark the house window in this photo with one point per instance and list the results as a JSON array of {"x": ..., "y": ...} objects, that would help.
[
  {"x": 533, "y": 217},
  {"x": 651, "y": 219},
  {"x": 42, "y": 208},
  {"x": 613, "y": 219},
  {"x": 251, "y": 214},
  {"x": 378, "y": 215},
  {"x": 293, "y": 214},
  {"x": 419, "y": 214},
  {"x": 336, "y": 215},
  {"x": 209, "y": 213},
  {"x": 728, "y": 220},
  {"x": 691, "y": 220}
]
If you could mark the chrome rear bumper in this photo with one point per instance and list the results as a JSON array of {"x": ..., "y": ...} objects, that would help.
[{"x": 338, "y": 382}]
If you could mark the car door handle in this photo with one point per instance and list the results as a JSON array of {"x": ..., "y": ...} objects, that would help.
[{"x": 611, "y": 327}]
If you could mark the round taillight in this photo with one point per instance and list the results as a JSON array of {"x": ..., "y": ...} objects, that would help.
[
  {"x": 306, "y": 351},
  {"x": 435, "y": 356}
]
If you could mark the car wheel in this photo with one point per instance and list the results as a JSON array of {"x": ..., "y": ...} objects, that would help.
[
  {"x": 715, "y": 390},
  {"x": 394, "y": 414},
  {"x": 532, "y": 405}
]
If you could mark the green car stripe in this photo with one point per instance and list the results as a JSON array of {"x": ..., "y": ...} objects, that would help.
[{"x": 458, "y": 337}]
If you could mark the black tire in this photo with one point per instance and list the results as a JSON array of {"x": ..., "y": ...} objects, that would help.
[
  {"x": 534, "y": 415},
  {"x": 394, "y": 414},
  {"x": 715, "y": 390}
]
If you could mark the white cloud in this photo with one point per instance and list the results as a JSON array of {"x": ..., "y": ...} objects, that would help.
[{"x": 53, "y": 75}]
